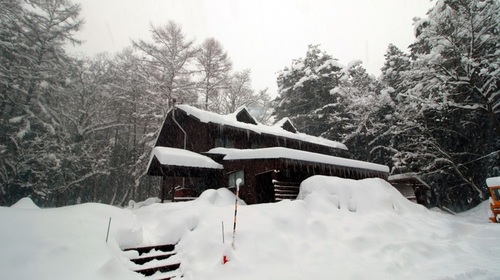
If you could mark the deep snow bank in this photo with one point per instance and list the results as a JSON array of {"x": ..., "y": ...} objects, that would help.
[
  {"x": 341, "y": 229},
  {"x": 62, "y": 243},
  {"x": 25, "y": 203},
  {"x": 363, "y": 196}
]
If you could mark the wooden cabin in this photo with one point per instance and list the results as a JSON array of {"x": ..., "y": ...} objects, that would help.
[
  {"x": 411, "y": 186},
  {"x": 197, "y": 150}
]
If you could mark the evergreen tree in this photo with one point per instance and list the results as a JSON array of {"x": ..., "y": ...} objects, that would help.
[
  {"x": 364, "y": 106},
  {"x": 451, "y": 93},
  {"x": 306, "y": 96},
  {"x": 396, "y": 63},
  {"x": 385, "y": 143}
]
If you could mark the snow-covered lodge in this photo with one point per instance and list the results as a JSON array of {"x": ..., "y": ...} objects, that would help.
[{"x": 196, "y": 150}]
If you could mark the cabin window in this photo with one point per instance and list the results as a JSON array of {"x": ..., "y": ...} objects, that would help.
[
  {"x": 496, "y": 193},
  {"x": 232, "y": 177},
  {"x": 224, "y": 142},
  {"x": 219, "y": 142},
  {"x": 255, "y": 145},
  {"x": 229, "y": 143}
]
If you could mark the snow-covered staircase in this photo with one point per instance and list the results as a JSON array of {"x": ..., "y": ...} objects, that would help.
[
  {"x": 155, "y": 262},
  {"x": 285, "y": 190}
]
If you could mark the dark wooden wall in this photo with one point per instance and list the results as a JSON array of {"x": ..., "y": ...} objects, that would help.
[{"x": 289, "y": 171}]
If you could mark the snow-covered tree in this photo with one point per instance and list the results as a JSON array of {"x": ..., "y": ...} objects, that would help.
[
  {"x": 34, "y": 75},
  {"x": 448, "y": 101},
  {"x": 335, "y": 101},
  {"x": 396, "y": 63},
  {"x": 306, "y": 96},
  {"x": 456, "y": 52},
  {"x": 138, "y": 110},
  {"x": 89, "y": 124},
  {"x": 384, "y": 144},
  {"x": 366, "y": 107}
]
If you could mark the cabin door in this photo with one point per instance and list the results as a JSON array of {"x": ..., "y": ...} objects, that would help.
[{"x": 265, "y": 187}]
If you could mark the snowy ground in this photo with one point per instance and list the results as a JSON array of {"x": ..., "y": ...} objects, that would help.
[{"x": 337, "y": 229}]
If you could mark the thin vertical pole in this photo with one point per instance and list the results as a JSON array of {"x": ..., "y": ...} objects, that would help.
[
  {"x": 107, "y": 234},
  {"x": 238, "y": 182},
  {"x": 223, "y": 241}
]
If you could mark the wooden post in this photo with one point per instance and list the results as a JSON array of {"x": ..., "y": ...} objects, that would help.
[{"x": 163, "y": 189}]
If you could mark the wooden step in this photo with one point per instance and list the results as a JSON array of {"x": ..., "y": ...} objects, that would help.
[
  {"x": 163, "y": 268},
  {"x": 287, "y": 187},
  {"x": 147, "y": 249},
  {"x": 282, "y": 194},
  {"x": 143, "y": 260},
  {"x": 286, "y": 194},
  {"x": 167, "y": 275},
  {"x": 285, "y": 191},
  {"x": 184, "y": 198},
  {"x": 283, "y": 197},
  {"x": 283, "y": 183}
]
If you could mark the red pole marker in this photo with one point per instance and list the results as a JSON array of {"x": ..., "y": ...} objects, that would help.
[
  {"x": 225, "y": 257},
  {"x": 238, "y": 182}
]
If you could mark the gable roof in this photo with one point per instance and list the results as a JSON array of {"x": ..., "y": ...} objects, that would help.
[
  {"x": 287, "y": 125},
  {"x": 242, "y": 115},
  {"x": 232, "y": 121}
]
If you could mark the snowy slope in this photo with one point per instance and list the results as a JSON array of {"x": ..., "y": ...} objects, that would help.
[{"x": 337, "y": 229}]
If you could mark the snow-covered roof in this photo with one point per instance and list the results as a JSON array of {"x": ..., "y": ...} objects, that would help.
[
  {"x": 402, "y": 176},
  {"x": 180, "y": 157},
  {"x": 493, "y": 181},
  {"x": 279, "y": 152},
  {"x": 286, "y": 124},
  {"x": 242, "y": 115},
  {"x": 410, "y": 175},
  {"x": 230, "y": 120}
]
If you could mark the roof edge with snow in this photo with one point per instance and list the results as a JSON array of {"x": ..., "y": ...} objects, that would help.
[
  {"x": 493, "y": 182},
  {"x": 231, "y": 120},
  {"x": 179, "y": 157},
  {"x": 286, "y": 153}
]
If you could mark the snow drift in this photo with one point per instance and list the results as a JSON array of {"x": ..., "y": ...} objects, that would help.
[{"x": 337, "y": 228}]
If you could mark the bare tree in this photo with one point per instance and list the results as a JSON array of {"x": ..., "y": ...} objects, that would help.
[
  {"x": 165, "y": 61},
  {"x": 214, "y": 64}
]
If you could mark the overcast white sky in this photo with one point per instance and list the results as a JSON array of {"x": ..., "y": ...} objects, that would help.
[{"x": 262, "y": 35}]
